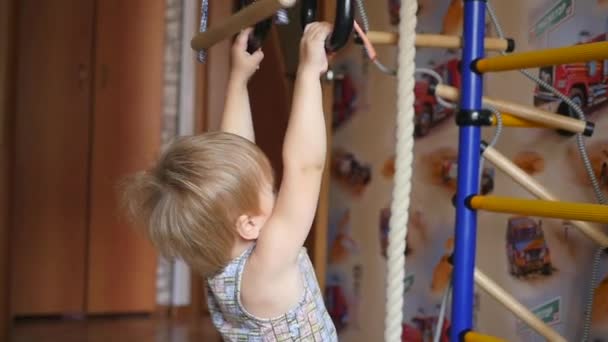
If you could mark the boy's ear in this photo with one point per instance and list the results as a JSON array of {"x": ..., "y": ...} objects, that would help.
[{"x": 246, "y": 227}]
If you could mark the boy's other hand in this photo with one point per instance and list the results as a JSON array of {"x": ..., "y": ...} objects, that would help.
[
  {"x": 312, "y": 47},
  {"x": 245, "y": 64}
]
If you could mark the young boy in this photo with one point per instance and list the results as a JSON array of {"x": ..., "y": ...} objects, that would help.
[{"x": 210, "y": 200}]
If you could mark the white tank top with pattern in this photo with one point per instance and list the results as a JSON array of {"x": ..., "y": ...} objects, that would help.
[{"x": 307, "y": 321}]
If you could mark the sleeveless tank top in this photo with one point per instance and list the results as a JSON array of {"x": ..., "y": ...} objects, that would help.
[{"x": 307, "y": 321}]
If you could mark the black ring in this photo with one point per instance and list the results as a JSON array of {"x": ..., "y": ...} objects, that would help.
[
  {"x": 343, "y": 23},
  {"x": 473, "y": 66},
  {"x": 471, "y": 117},
  {"x": 467, "y": 202},
  {"x": 510, "y": 45},
  {"x": 589, "y": 129},
  {"x": 484, "y": 145},
  {"x": 308, "y": 13},
  {"x": 260, "y": 31}
]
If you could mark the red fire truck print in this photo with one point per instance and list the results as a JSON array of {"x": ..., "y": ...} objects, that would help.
[
  {"x": 429, "y": 111},
  {"x": 586, "y": 84}
]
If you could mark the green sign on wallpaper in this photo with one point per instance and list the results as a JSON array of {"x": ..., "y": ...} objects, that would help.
[
  {"x": 409, "y": 281},
  {"x": 560, "y": 11},
  {"x": 548, "y": 312}
]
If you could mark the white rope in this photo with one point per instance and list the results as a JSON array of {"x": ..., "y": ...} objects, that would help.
[{"x": 403, "y": 163}]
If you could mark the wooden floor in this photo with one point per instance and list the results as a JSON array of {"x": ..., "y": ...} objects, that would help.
[{"x": 115, "y": 330}]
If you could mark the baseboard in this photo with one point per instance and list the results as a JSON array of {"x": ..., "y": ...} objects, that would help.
[{"x": 162, "y": 311}]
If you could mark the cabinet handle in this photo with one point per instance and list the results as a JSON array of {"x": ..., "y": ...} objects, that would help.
[
  {"x": 103, "y": 77},
  {"x": 83, "y": 76}
]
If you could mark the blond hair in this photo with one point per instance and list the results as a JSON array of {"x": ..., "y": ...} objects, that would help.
[{"x": 188, "y": 204}]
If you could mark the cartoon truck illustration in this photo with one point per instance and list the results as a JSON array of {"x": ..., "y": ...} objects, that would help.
[
  {"x": 337, "y": 306},
  {"x": 527, "y": 250},
  {"x": 345, "y": 95},
  {"x": 603, "y": 175},
  {"x": 348, "y": 169},
  {"x": 586, "y": 84},
  {"x": 428, "y": 111},
  {"x": 427, "y": 326},
  {"x": 385, "y": 216},
  {"x": 449, "y": 172},
  {"x": 393, "y": 11},
  {"x": 411, "y": 334}
]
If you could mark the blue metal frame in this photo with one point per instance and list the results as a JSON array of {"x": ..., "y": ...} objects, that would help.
[{"x": 468, "y": 172}]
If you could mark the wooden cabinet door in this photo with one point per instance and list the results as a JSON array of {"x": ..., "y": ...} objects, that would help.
[
  {"x": 7, "y": 100},
  {"x": 51, "y": 160},
  {"x": 127, "y": 121},
  {"x": 270, "y": 102},
  {"x": 318, "y": 239}
]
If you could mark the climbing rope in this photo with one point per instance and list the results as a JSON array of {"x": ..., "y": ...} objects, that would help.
[{"x": 403, "y": 164}]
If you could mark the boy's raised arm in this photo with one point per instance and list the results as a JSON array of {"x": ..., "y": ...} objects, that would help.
[
  {"x": 304, "y": 153},
  {"x": 237, "y": 110}
]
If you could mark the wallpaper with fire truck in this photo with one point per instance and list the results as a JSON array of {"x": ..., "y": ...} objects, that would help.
[
  {"x": 544, "y": 263},
  {"x": 564, "y": 23}
]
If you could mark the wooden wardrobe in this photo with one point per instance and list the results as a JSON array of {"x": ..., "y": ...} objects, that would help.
[
  {"x": 7, "y": 76},
  {"x": 88, "y": 112}
]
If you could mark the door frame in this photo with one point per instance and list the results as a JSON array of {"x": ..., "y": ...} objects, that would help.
[
  {"x": 8, "y": 32},
  {"x": 321, "y": 224},
  {"x": 207, "y": 99},
  {"x": 192, "y": 120}
]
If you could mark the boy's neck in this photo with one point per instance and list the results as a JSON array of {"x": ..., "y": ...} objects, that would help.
[{"x": 241, "y": 246}]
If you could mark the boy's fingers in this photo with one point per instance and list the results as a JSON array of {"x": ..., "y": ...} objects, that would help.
[
  {"x": 312, "y": 28},
  {"x": 243, "y": 36},
  {"x": 326, "y": 29},
  {"x": 258, "y": 55},
  {"x": 321, "y": 34},
  {"x": 315, "y": 33},
  {"x": 320, "y": 31},
  {"x": 307, "y": 28}
]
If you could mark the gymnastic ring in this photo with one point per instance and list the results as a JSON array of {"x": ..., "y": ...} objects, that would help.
[
  {"x": 343, "y": 23},
  {"x": 260, "y": 31},
  {"x": 308, "y": 12}
]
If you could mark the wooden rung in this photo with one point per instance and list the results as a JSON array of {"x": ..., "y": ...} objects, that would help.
[
  {"x": 544, "y": 57},
  {"x": 438, "y": 41},
  {"x": 246, "y": 17},
  {"x": 534, "y": 114},
  {"x": 520, "y": 311},
  {"x": 509, "y": 168}
]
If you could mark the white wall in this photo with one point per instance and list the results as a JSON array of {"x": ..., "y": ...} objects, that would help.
[{"x": 173, "y": 278}]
